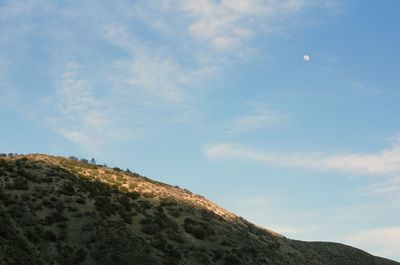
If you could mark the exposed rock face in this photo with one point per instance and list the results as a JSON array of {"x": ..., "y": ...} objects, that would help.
[{"x": 55, "y": 210}]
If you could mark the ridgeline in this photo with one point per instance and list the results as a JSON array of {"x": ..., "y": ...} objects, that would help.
[{"x": 56, "y": 210}]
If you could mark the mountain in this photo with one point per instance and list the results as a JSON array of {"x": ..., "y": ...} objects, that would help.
[{"x": 56, "y": 210}]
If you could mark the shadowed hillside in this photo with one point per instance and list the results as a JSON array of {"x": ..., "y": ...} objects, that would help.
[{"x": 55, "y": 210}]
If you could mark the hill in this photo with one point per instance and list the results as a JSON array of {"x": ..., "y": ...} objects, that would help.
[{"x": 56, "y": 210}]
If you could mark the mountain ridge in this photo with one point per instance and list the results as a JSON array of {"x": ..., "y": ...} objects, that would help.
[{"x": 66, "y": 211}]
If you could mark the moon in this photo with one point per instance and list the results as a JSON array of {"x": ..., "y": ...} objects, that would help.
[{"x": 306, "y": 57}]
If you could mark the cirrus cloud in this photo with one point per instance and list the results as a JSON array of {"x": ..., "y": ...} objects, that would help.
[
  {"x": 385, "y": 162},
  {"x": 141, "y": 51},
  {"x": 262, "y": 117},
  {"x": 383, "y": 241}
]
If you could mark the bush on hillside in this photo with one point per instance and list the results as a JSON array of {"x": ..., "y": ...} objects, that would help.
[
  {"x": 105, "y": 205},
  {"x": 79, "y": 256},
  {"x": 145, "y": 205},
  {"x": 197, "y": 229},
  {"x": 67, "y": 189},
  {"x": 18, "y": 184},
  {"x": 133, "y": 195},
  {"x": 124, "y": 203},
  {"x": 231, "y": 260},
  {"x": 151, "y": 229},
  {"x": 49, "y": 235},
  {"x": 168, "y": 202}
]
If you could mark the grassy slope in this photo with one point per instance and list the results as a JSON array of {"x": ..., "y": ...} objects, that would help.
[{"x": 60, "y": 211}]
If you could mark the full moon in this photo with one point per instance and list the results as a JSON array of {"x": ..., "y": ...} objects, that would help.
[{"x": 306, "y": 58}]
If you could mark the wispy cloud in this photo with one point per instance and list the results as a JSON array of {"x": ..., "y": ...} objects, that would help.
[
  {"x": 7, "y": 95},
  {"x": 13, "y": 9},
  {"x": 364, "y": 88},
  {"x": 227, "y": 25},
  {"x": 262, "y": 117},
  {"x": 211, "y": 35},
  {"x": 385, "y": 162},
  {"x": 382, "y": 241},
  {"x": 154, "y": 77},
  {"x": 389, "y": 188},
  {"x": 155, "y": 52},
  {"x": 80, "y": 117}
]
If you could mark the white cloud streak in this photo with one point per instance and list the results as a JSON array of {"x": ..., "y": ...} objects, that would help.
[
  {"x": 227, "y": 25},
  {"x": 81, "y": 117},
  {"x": 261, "y": 118},
  {"x": 7, "y": 95},
  {"x": 142, "y": 51},
  {"x": 385, "y": 162},
  {"x": 159, "y": 78},
  {"x": 366, "y": 89},
  {"x": 380, "y": 241}
]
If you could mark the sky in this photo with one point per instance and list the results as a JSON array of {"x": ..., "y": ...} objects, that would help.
[{"x": 214, "y": 96}]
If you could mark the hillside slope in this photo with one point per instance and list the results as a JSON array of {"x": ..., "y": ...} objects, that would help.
[{"x": 55, "y": 210}]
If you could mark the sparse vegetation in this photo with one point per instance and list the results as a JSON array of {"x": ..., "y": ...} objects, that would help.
[
  {"x": 71, "y": 211},
  {"x": 18, "y": 183},
  {"x": 198, "y": 230}
]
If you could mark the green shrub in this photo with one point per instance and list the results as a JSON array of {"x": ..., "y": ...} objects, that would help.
[
  {"x": 175, "y": 212},
  {"x": 195, "y": 229},
  {"x": 133, "y": 195},
  {"x": 175, "y": 236},
  {"x": 19, "y": 184},
  {"x": 2, "y": 194},
  {"x": 31, "y": 235},
  {"x": 80, "y": 200},
  {"x": 55, "y": 217},
  {"x": 164, "y": 221},
  {"x": 72, "y": 209},
  {"x": 59, "y": 205},
  {"x": 104, "y": 205},
  {"x": 159, "y": 242},
  {"x": 49, "y": 235},
  {"x": 168, "y": 202},
  {"x": 218, "y": 254},
  {"x": 231, "y": 260},
  {"x": 127, "y": 217},
  {"x": 67, "y": 189},
  {"x": 151, "y": 229},
  {"x": 146, "y": 220},
  {"x": 20, "y": 162},
  {"x": 8, "y": 167},
  {"x": 125, "y": 203},
  {"x": 95, "y": 188},
  {"x": 79, "y": 256},
  {"x": 146, "y": 205}
]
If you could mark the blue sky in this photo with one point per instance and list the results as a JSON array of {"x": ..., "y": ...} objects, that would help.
[{"x": 215, "y": 96}]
